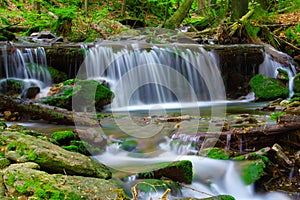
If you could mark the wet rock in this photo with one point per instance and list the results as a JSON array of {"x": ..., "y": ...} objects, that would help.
[
  {"x": 180, "y": 171},
  {"x": 56, "y": 75},
  {"x": 32, "y": 92},
  {"x": 26, "y": 180},
  {"x": 80, "y": 95},
  {"x": 52, "y": 158},
  {"x": 11, "y": 116},
  {"x": 11, "y": 87},
  {"x": 266, "y": 88}
]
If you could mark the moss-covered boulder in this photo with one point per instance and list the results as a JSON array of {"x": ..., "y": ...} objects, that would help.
[
  {"x": 12, "y": 87},
  {"x": 27, "y": 181},
  {"x": 266, "y": 88},
  {"x": 56, "y": 75},
  {"x": 19, "y": 148},
  {"x": 85, "y": 94},
  {"x": 180, "y": 171},
  {"x": 297, "y": 85}
]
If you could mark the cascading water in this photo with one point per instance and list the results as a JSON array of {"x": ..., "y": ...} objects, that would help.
[
  {"x": 270, "y": 67},
  {"x": 28, "y": 66},
  {"x": 147, "y": 75}
]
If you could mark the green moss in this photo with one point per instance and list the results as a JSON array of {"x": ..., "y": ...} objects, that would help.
[
  {"x": 63, "y": 137},
  {"x": 275, "y": 115},
  {"x": 56, "y": 75},
  {"x": 4, "y": 162},
  {"x": 297, "y": 84},
  {"x": 71, "y": 148},
  {"x": 283, "y": 75},
  {"x": 216, "y": 153},
  {"x": 253, "y": 172},
  {"x": 266, "y": 88}
]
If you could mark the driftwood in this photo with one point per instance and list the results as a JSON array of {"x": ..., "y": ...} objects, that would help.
[
  {"x": 48, "y": 113},
  {"x": 250, "y": 139}
]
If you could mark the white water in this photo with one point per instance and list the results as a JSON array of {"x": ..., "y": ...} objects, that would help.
[
  {"x": 28, "y": 65},
  {"x": 156, "y": 75},
  {"x": 270, "y": 68},
  {"x": 214, "y": 177}
]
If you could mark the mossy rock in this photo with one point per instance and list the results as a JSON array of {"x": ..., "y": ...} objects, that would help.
[
  {"x": 180, "y": 171},
  {"x": 251, "y": 170},
  {"x": 81, "y": 95},
  {"x": 63, "y": 137},
  {"x": 52, "y": 158},
  {"x": 216, "y": 153},
  {"x": 297, "y": 85},
  {"x": 12, "y": 87},
  {"x": 266, "y": 88},
  {"x": 283, "y": 75},
  {"x": 28, "y": 181},
  {"x": 56, "y": 75}
]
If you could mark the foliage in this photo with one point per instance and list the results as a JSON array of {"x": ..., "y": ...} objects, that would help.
[
  {"x": 275, "y": 115},
  {"x": 293, "y": 33}
]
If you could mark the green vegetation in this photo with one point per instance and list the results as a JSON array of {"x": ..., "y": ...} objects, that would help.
[
  {"x": 216, "y": 153},
  {"x": 275, "y": 115}
]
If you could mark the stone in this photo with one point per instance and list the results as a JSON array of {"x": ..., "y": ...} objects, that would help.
[
  {"x": 51, "y": 158},
  {"x": 178, "y": 171},
  {"x": 32, "y": 92},
  {"x": 26, "y": 180},
  {"x": 266, "y": 88},
  {"x": 80, "y": 95}
]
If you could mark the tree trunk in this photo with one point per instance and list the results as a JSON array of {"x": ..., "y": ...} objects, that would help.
[
  {"x": 175, "y": 20},
  {"x": 202, "y": 7},
  {"x": 239, "y": 8},
  {"x": 123, "y": 8},
  {"x": 48, "y": 113},
  {"x": 86, "y": 7}
]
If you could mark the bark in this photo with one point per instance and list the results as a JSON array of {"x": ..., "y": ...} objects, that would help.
[
  {"x": 202, "y": 7},
  {"x": 175, "y": 20},
  {"x": 239, "y": 8},
  {"x": 234, "y": 27},
  {"x": 48, "y": 113}
]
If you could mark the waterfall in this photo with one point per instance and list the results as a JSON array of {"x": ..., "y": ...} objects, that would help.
[
  {"x": 28, "y": 65},
  {"x": 142, "y": 75},
  {"x": 271, "y": 65}
]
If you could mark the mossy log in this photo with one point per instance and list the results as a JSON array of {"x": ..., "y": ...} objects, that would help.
[{"x": 48, "y": 113}]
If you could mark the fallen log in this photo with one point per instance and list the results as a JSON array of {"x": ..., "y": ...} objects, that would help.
[
  {"x": 247, "y": 139},
  {"x": 48, "y": 113}
]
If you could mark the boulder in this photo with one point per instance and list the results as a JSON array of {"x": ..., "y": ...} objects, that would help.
[
  {"x": 32, "y": 92},
  {"x": 179, "y": 171},
  {"x": 20, "y": 148},
  {"x": 296, "y": 87},
  {"x": 27, "y": 181},
  {"x": 266, "y": 88},
  {"x": 87, "y": 94}
]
